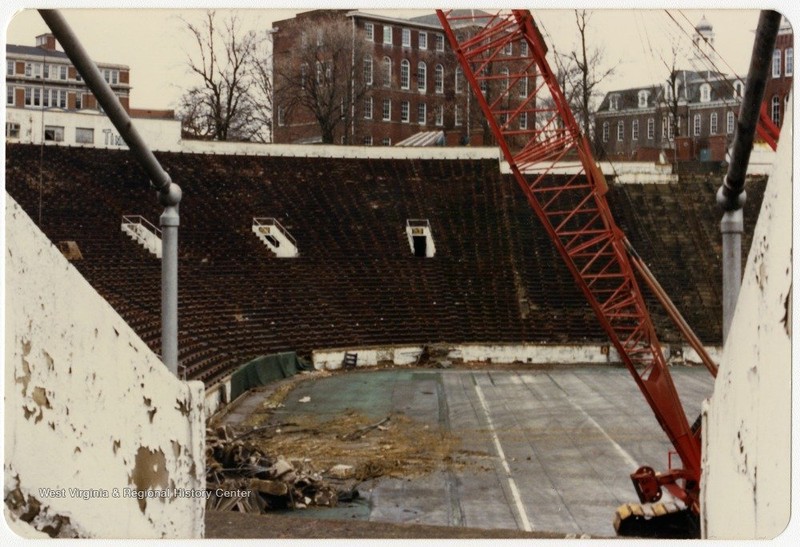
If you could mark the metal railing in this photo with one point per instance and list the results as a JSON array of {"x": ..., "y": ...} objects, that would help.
[
  {"x": 418, "y": 223},
  {"x": 269, "y": 222},
  {"x": 141, "y": 221}
]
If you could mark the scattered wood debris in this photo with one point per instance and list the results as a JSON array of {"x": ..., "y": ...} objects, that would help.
[{"x": 241, "y": 477}]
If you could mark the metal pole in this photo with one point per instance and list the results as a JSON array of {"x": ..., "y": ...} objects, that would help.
[
  {"x": 169, "y": 192},
  {"x": 731, "y": 195}
]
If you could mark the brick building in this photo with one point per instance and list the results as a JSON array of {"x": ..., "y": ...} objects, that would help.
[
  {"x": 637, "y": 123},
  {"x": 47, "y": 100},
  {"x": 413, "y": 83},
  {"x": 781, "y": 74}
]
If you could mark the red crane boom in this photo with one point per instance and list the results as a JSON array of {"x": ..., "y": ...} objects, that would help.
[{"x": 503, "y": 57}]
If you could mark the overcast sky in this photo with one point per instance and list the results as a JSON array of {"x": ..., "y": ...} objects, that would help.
[{"x": 155, "y": 44}]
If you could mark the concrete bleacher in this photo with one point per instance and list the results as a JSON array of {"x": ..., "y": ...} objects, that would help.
[{"x": 355, "y": 281}]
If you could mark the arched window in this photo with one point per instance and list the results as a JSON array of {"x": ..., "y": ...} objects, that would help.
[
  {"x": 422, "y": 76},
  {"x": 789, "y": 70},
  {"x": 606, "y": 131},
  {"x": 705, "y": 93},
  {"x": 620, "y": 131},
  {"x": 387, "y": 72},
  {"x": 405, "y": 74},
  {"x": 507, "y": 78},
  {"x": 776, "y": 110},
  {"x": 730, "y": 123},
  {"x": 697, "y": 125},
  {"x": 643, "y": 96},
  {"x": 713, "y": 129},
  {"x": 738, "y": 89},
  {"x": 439, "y": 78}
]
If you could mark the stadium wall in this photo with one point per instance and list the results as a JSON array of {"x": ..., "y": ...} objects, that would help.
[
  {"x": 93, "y": 419},
  {"x": 747, "y": 431}
]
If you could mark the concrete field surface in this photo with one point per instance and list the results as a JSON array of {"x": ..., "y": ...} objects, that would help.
[{"x": 530, "y": 449}]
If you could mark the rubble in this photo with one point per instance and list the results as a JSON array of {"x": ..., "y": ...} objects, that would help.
[{"x": 240, "y": 477}]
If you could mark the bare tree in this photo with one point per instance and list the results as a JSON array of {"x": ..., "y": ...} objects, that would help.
[
  {"x": 670, "y": 98},
  {"x": 233, "y": 99},
  {"x": 325, "y": 78},
  {"x": 590, "y": 69}
]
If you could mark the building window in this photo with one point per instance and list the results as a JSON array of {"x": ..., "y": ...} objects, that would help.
[
  {"x": 635, "y": 130},
  {"x": 406, "y": 37},
  {"x": 12, "y": 130},
  {"x": 459, "y": 79},
  {"x": 508, "y": 48},
  {"x": 457, "y": 115},
  {"x": 613, "y": 102},
  {"x": 387, "y": 141},
  {"x": 523, "y": 48},
  {"x": 438, "y": 76},
  {"x": 789, "y": 71},
  {"x": 523, "y": 86},
  {"x": 738, "y": 90},
  {"x": 368, "y": 140},
  {"x": 9, "y": 68},
  {"x": 62, "y": 72},
  {"x": 404, "y": 114},
  {"x": 387, "y": 35},
  {"x": 369, "y": 32},
  {"x": 507, "y": 79},
  {"x": 730, "y": 123},
  {"x": 46, "y": 71},
  {"x": 523, "y": 120},
  {"x": 405, "y": 77},
  {"x": 387, "y": 72},
  {"x": 422, "y": 76},
  {"x": 484, "y": 86},
  {"x": 705, "y": 93},
  {"x": 713, "y": 124},
  {"x": 671, "y": 128},
  {"x": 84, "y": 135},
  {"x": 439, "y": 114},
  {"x": 281, "y": 115},
  {"x": 111, "y": 76},
  {"x": 697, "y": 125},
  {"x": 422, "y": 113},
  {"x": 620, "y": 131},
  {"x": 387, "y": 109},
  {"x": 664, "y": 128},
  {"x": 651, "y": 128},
  {"x": 423, "y": 40},
  {"x": 606, "y": 131},
  {"x": 54, "y": 133},
  {"x": 78, "y": 101},
  {"x": 776, "y": 63},
  {"x": 643, "y": 96},
  {"x": 776, "y": 110},
  {"x": 368, "y": 70},
  {"x": 368, "y": 108},
  {"x": 440, "y": 42}
]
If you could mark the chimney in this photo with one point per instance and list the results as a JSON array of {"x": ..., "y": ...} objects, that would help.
[{"x": 46, "y": 41}]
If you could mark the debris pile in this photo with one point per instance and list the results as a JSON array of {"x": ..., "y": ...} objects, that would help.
[{"x": 241, "y": 477}]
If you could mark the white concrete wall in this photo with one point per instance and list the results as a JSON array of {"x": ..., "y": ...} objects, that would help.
[
  {"x": 746, "y": 490},
  {"x": 496, "y": 353},
  {"x": 158, "y": 134},
  {"x": 89, "y": 406}
]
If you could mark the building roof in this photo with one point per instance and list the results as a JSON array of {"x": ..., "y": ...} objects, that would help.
[{"x": 13, "y": 49}]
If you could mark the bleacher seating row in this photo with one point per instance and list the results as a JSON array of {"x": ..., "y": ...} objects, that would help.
[{"x": 356, "y": 281}]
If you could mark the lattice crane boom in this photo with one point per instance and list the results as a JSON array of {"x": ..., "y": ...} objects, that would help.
[{"x": 531, "y": 120}]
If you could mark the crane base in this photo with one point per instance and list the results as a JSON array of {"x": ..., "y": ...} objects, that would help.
[{"x": 664, "y": 520}]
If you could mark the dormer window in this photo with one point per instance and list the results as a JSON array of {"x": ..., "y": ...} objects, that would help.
[
  {"x": 613, "y": 102},
  {"x": 643, "y": 96},
  {"x": 705, "y": 93},
  {"x": 738, "y": 89}
]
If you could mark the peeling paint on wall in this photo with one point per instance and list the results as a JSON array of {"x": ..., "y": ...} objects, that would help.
[
  {"x": 92, "y": 417},
  {"x": 747, "y": 437}
]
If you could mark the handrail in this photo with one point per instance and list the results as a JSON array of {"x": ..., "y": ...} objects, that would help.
[
  {"x": 418, "y": 222},
  {"x": 272, "y": 221},
  {"x": 139, "y": 219}
]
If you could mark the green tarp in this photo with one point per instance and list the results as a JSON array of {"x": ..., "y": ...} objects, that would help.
[{"x": 265, "y": 369}]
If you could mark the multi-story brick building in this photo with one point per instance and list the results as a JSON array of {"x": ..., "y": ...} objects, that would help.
[
  {"x": 413, "y": 83},
  {"x": 47, "y": 100},
  {"x": 781, "y": 74},
  {"x": 692, "y": 115}
]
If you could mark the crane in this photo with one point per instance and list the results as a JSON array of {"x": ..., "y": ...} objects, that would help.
[{"x": 503, "y": 57}]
